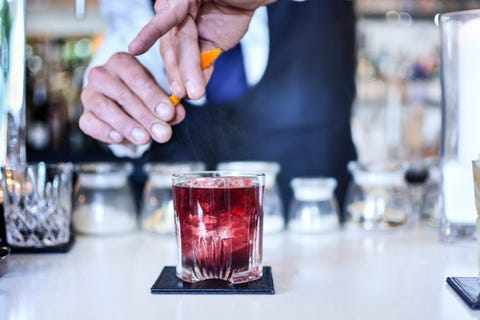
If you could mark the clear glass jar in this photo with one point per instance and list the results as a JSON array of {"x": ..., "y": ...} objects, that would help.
[
  {"x": 104, "y": 202},
  {"x": 378, "y": 197},
  {"x": 157, "y": 205},
  {"x": 313, "y": 208},
  {"x": 273, "y": 218}
]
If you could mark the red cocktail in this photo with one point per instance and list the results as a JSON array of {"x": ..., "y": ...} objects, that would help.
[{"x": 218, "y": 224}]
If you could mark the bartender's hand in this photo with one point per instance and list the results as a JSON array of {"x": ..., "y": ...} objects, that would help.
[
  {"x": 186, "y": 28},
  {"x": 123, "y": 103}
]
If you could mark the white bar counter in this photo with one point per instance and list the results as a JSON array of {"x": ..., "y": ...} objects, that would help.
[{"x": 339, "y": 275}]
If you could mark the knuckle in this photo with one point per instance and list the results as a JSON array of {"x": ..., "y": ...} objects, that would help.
[
  {"x": 119, "y": 58},
  {"x": 102, "y": 110},
  {"x": 145, "y": 120},
  {"x": 124, "y": 98},
  {"x": 96, "y": 74}
]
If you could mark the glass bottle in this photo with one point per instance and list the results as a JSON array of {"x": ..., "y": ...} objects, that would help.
[
  {"x": 378, "y": 197},
  {"x": 313, "y": 208},
  {"x": 273, "y": 218},
  {"x": 104, "y": 202},
  {"x": 12, "y": 82},
  {"x": 157, "y": 204},
  {"x": 460, "y": 50}
]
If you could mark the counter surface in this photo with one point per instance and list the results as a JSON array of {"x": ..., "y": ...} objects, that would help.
[{"x": 339, "y": 275}]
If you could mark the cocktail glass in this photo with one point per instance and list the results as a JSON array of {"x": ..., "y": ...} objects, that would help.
[{"x": 218, "y": 225}]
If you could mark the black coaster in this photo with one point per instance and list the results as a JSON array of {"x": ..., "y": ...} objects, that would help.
[
  {"x": 468, "y": 289},
  {"x": 168, "y": 283},
  {"x": 62, "y": 248}
]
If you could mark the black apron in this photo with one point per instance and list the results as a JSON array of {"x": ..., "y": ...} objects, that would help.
[{"x": 298, "y": 114}]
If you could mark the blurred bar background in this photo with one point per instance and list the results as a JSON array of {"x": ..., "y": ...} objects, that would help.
[{"x": 396, "y": 113}]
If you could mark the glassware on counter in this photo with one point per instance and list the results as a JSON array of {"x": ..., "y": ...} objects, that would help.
[
  {"x": 37, "y": 202},
  {"x": 104, "y": 202},
  {"x": 416, "y": 176},
  {"x": 313, "y": 208},
  {"x": 273, "y": 217},
  {"x": 377, "y": 198},
  {"x": 460, "y": 32},
  {"x": 430, "y": 211},
  {"x": 157, "y": 203},
  {"x": 218, "y": 222}
]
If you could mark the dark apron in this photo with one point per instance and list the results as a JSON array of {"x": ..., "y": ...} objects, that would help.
[{"x": 297, "y": 115}]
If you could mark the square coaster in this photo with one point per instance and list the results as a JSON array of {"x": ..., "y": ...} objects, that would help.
[
  {"x": 168, "y": 283},
  {"x": 468, "y": 289}
]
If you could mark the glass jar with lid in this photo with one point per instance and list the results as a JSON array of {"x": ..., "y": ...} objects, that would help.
[
  {"x": 313, "y": 208},
  {"x": 378, "y": 197},
  {"x": 104, "y": 202},
  {"x": 156, "y": 212},
  {"x": 273, "y": 219}
]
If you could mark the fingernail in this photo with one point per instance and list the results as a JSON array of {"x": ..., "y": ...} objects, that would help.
[
  {"x": 139, "y": 135},
  {"x": 161, "y": 132},
  {"x": 115, "y": 136},
  {"x": 164, "y": 111},
  {"x": 191, "y": 89},
  {"x": 176, "y": 88}
]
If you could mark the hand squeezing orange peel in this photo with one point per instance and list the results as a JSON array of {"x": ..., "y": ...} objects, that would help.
[{"x": 207, "y": 58}]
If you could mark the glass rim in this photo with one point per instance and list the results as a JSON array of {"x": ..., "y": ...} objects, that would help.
[
  {"x": 218, "y": 174},
  {"x": 460, "y": 13}
]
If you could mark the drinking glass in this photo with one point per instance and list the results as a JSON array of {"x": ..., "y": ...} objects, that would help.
[
  {"x": 104, "y": 203},
  {"x": 218, "y": 225},
  {"x": 37, "y": 204},
  {"x": 460, "y": 32},
  {"x": 313, "y": 208},
  {"x": 377, "y": 198}
]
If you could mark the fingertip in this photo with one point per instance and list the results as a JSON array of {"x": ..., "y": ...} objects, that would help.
[
  {"x": 139, "y": 136},
  {"x": 161, "y": 132},
  {"x": 177, "y": 89},
  {"x": 165, "y": 111},
  {"x": 194, "y": 90},
  {"x": 134, "y": 48},
  {"x": 115, "y": 136}
]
